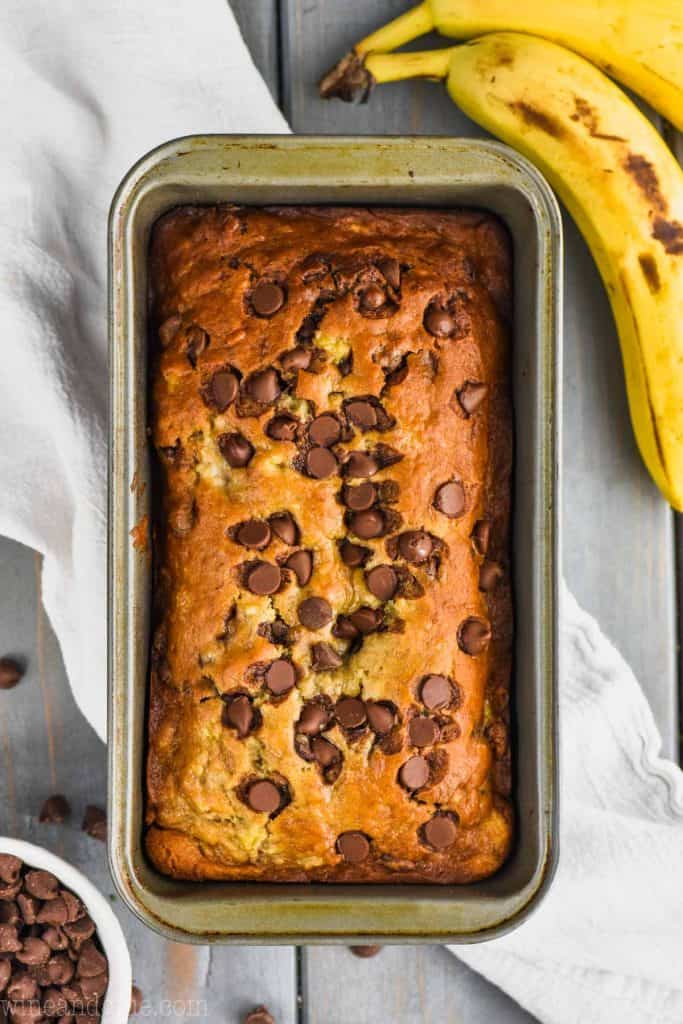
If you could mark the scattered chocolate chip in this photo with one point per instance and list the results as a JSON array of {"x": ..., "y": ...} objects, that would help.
[
  {"x": 366, "y": 620},
  {"x": 314, "y": 613},
  {"x": 33, "y": 952},
  {"x": 415, "y": 546},
  {"x": 344, "y": 629},
  {"x": 436, "y": 692},
  {"x": 414, "y": 772},
  {"x": 354, "y": 847},
  {"x": 362, "y": 414},
  {"x": 353, "y": 555},
  {"x": 439, "y": 322},
  {"x": 325, "y": 430},
  {"x": 481, "y": 535},
  {"x": 284, "y": 526},
  {"x": 471, "y": 395},
  {"x": 423, "y": 732},
  {"x": 9, "y": 939},
  {"x": 280, "y": 676},
  {"x": 75, "y": 908},
  {"x": 136, "y": 1000},
  {"x": 381, "y": 717},
  {"x": 95, "y": 822},
  {"x": 324, "y": 657},
  {"x": 296, "y": 359},
  {"x": 222, "y": 389},
  {"x": 313, "y": 719},
  {"x": 490, "y": 574},
  {"x": 263, "y": 579},
  {"x": 55, "y": 938},
  {"x": 264, "y": 796},
  {"x": 359, "y": 498},
  {"x": 55, "y": 809},
  {"x": 10, "y": 867},
  {"x": 90, "y": 961},
  {"x": 53, "y": 912},
  {"x": 254, "y": 533},
  {"x": 382, "y": 582},
  {"x": 239, "y": 714},
  {"x": 325, "y": 753},
  {"x": 450, "y": 499},
  {"x": 361, "y": 464},
  {"x": 236, "y": 450},
  {"x": 264, "y": 386},
  {"x": 267, "y": 298},
  {"x": 169, "y": 329},
  {"x": 473, "y": 635},
  {"x": 440, "y": 831},
  {"x": 301, "y": 564},
  {"x": 11, "y": 673},
  {"x": 196, "y": 342},
  {"x": 320, "y": 463},
  {"x": 79, "y": 931},
  {"x": 259, "y": 1016},
  {"x": 368, "y": 524},
  {"x": 365, "y": 952},
  {"x": 372, "y": 298},
  {"x": 350, "y": 712},
  {"x": 282, "y": 427}
]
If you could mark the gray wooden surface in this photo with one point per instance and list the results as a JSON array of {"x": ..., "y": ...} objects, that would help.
[{"x": 619, "y": 560}]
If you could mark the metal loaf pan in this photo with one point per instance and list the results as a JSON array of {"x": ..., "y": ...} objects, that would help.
[{"x": 393, "y": 171}]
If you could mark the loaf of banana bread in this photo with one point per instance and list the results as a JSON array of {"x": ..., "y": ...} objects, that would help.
[{"x": 332, "y": 613}]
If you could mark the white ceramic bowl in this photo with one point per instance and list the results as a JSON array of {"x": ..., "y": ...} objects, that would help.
[{"x": 116, "y": 1005}]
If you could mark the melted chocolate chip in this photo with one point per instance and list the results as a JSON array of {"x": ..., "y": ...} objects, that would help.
[
  {"x": 372, "y": 298},
  {"x": 359, "y": 498},
  {"x": 301, "y": 564},
  {"x": 362, "y": 414},
  {"x": 267, "y": 298},
  {"x": 423, "y": 732},
  {"x": 284, "y": 526},
  {"x": 264, "y": 386},
  {"x": 381, "y": 717},
  {"x": 354, "y": 847},
  {"x": 324, "y": 658},
  {"x": 361, "y": 464},
  {"x": 314, "y": 613},
  {"x": 169, "y": 330},
  {"x": 353, "y": 555},
  {"x": 196, "y": 342},
  {"x": 320, "y": 463},
  {"x": 350, "y": 712},
  {"x": 366, "y": 620},
  {"x": 325, "y": 430},
  {"x": 439, "y": 322},
  {"x": 282, "y": 427},
  {"x": 296, "y": 359},
  {"x": 471, "y": 395},
  {"x": 280, "y": 676},
  {"x": 490, "y": 575},
  {"x": 436, "y": 692},
  {"x": 222, "y": 389},
  {"x": 474, "y": 635},
  {"x": 450, "y": 499},
  {"x": 239, "y": 714},
  {"x": 264, "y": 796},
  {"x": 325, "y": 753},
  {"x": 382, "y": 582},
  {"x": 391, "y": 269},
  {"x": 481, "y": 535},
  {"x": 254, "y": 533},
  {"x": 440, "y": 831},
  {"x": 368, "y": 524},
  {"x": 236, "y": 450},
  {"x": 414, "y": 773},
  {"x": 415, "y": 546},
  {"x": 312, "y": 720},
  {"x": 263, "y": 579}
]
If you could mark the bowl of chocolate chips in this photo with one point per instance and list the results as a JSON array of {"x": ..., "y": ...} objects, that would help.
[{"x": 63, "y": 956}]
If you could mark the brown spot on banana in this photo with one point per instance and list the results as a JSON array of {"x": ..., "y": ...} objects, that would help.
[
  {"x": 645, "y": 177},
  {"x": 670, "y": 234},
  {"x": 538, "y": 119},
  {"x": 648, "y": 265}
]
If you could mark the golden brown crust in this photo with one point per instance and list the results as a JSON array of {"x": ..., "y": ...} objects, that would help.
[{"x": 362, "y": 321}]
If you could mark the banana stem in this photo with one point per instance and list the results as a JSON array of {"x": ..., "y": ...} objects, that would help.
[
  {"x": 403, "y": 29},
  {"x": 392, "y": 67}
]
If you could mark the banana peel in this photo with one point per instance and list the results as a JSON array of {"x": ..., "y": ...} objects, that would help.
[{"x": 619, "y": 181}]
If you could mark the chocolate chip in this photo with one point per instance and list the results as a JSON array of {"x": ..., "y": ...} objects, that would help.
[
  {"x": 284, "y": 527},
  {"x": 353, "y": 555},
  {"x": 473, "y": 635},
  {"x": 9, "y": 912},
  {"x": 264, "y": 386},
  {"x": 236, "y": 450},
  {"x": 22, "y": 988},
  {"x": 365, "y": 952},
  {"x": 34, "y": 951},
  {"x": 350, "y": 712},
  {"x": 55, "y": 938},
  {"x": 136, "y": 999},
  {"x": 267, "y": 298},
  {"x": 382, "y": 582},
  {"x": 325, "y": 430},
  {"x": 239, "y": 714},
  {"x": 381, "y": 717},
  {"x": 280, "y": 676},
  {"x": 361, "y": 464},
  {"x": 60, "y": 969},
  {"x": 312, "y": 720},
  {"x": 169, "y": 330},
  {"x": 440, "y": 831},
  {"x": 415, "y": 546},
  {"x": 75, "y": 908},
  {"x": 391, "y": 269},
  {"x": 320, "y": 463},
  {"x": 282, "y": 427},
  {"x": 264, "y": 796},
  {"x": 95, "y": 822},
  {"x": 471, "y": 395},
  {"x": 436, "y": 692},
  {"x": 41, "y": 884},
  {"x": 223, "y": 389},
  {"x": 450, "y": 499},
  {"x": 481, "y": 535},
  {"x": 93, "y": 988},
  {"x": 254, "y": 533},
  {"x": 324, "y": 752},
  {"x": 344, "y": 629},
  {"x": 362, "y": 414},
  {"x": 314, "y": 613},
  {"x": 53, "y": 912},
  {"x": 259, "y": 1016},
  {"x": 55, "y": 809},
  {"x": 354, "y": 847},
  {"x": 9, "y": 939},
  {"x": 296, "y": 359},
  {"x": 10, "y": 866},
  {"x": 11, "y": 673},
  {"x": 414, "y": 773},
  {"x": 90, "y": 961},
  {"x": 372, "y": 298},
  {"x": 301, "y": 564},
  {"x": 29, "y": 907},
  {"x": 79, "y": 931},
  {"x": 264, "y": 579},
  {"x": 366, "y": 620},
  {"x": 490, "y": 574},
  {"x": 359, "y": 498},
  {"x": 324, "y": 657},
  {"x": 423, "y": 732},
  {"x": 439, "y": 322},
  {"x": 367, "y": 525},
  {"x": 196, "y": 342}
]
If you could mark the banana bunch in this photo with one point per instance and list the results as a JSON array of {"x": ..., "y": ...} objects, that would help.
[{"x": 612, "y": 169}]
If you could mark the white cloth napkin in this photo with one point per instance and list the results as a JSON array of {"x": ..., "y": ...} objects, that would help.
[{"x": 88, "y": 86}]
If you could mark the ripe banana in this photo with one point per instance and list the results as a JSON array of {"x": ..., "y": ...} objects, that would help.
[
  {"x": 622, "y": 186},
  {"x": 638, "y": 42}
]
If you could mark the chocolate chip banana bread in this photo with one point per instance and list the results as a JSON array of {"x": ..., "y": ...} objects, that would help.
[{"x": 332, "y": 612}]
